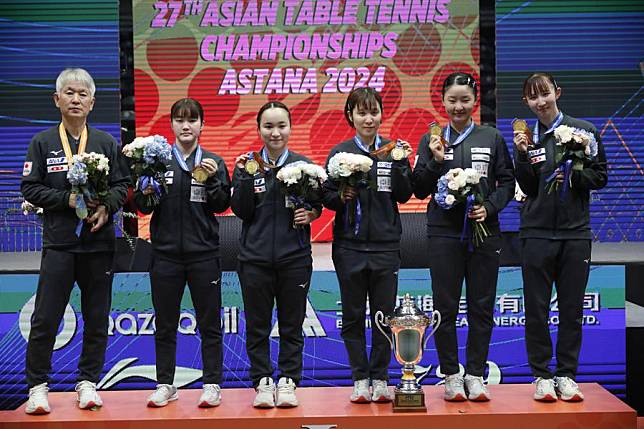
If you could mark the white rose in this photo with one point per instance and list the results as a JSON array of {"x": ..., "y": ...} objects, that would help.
[
  {"x": 450, "y": 199},
  {"x": 472, "y": 176},
  {"x": 563, "y": 134},
  {"x": 453, "y": 184}
]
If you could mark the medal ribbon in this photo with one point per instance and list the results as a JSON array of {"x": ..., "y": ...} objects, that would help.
[
  {"x": 555, "y": 124},
  {"x": 80, "y": 201},
  {"x": 378, "y": 150},
  {"x": 182, "y": 163},
  {"x": 358, "y": 207},
  {"x": 268, "y": 164},
  {"x": 358, "y": 141},
  {"x": 65, "y": 142},
  {"x": 386, "y": 149},
  {"x": 466, "y": 132}
]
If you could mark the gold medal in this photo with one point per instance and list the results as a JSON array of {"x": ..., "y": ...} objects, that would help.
[
  {"x": 251, "y": 167},
  {"x": 436, "y": 130},
  {"x": 200, "y": 174},
  {"x": 398, "y": 153},
  {"x": 521, "y": 126}
]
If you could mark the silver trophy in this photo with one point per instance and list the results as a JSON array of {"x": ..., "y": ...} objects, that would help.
[{"x": 408, "y": 325}]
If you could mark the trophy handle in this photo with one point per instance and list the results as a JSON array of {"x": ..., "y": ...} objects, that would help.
[
  {"x": 436, "y": 321},
  {"x": 379, "y": 319}
]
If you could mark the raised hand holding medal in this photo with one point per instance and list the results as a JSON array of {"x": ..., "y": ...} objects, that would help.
[
  {"x": 200, "y": 174},
  {"x": 398, "y": 153},
  {"x": 205, "y": 170},
  {"x": 251, "y": 165},
  {"x": 522, "y": 134},
  {"x": 436, "y": 130},
  {"x": 437, "y": 143}
]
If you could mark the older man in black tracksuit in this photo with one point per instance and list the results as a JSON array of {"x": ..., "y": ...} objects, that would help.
[{"x": 67, "y": 257}]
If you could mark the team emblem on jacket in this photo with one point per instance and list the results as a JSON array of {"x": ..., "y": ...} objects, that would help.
[
  {"x": 481, "y": 159},
  {"x": 57, "y": 164},
  {"x": 537, "y": 155},
  {"x": 26, "y": 168},
  {"x": 259, "y": 185},
  {"x": 383, "y": 172}
]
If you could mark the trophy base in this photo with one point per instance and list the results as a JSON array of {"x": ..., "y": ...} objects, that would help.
[{"x": 405, "y": 402}]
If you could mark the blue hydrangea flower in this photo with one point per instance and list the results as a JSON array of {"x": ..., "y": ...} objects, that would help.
[
  {"x": 441, "y": 193},
  {"x": 592, "y": 142},
  {"x": 157, "y": 151},
  {"x": 77, "y": 174}
]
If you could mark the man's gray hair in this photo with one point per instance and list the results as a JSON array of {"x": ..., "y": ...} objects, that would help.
[{"x": 75, "y": 75}]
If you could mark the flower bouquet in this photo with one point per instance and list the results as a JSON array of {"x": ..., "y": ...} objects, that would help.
[
  {"x": 88, "y": 176},
  {"x": 462, "y": 186},
  {"x": 299, "y": 181},
  {"x": 350, "y": 169},
  {"x": 573, "y": 147},
  {"x": 149, "y": 159}
]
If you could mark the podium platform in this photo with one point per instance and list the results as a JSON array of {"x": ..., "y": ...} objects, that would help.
[{"x": 329, "y": 407}]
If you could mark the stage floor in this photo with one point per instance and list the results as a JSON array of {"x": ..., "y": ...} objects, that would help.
[{"x": 329, "y": 407}]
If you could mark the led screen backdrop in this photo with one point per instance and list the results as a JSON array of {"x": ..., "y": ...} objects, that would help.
[
  {"x": 233, "y": 56},
  {"x": 595, "y": 50},
  {"x": 38, "y": 39}
]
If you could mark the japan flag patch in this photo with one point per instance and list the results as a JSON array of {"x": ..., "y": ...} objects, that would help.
[{"x": 26, "y": 168}]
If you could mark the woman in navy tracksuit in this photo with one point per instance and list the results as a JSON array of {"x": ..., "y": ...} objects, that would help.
[
  {"x": 275, "y": 263},
  {"x": 185, "y": 242},
  {"x": 450, "y": 261},
  {"x": 366, "y": 254},
  {"x": 555, "y": 236}
]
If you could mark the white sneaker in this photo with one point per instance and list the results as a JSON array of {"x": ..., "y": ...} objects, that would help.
[
  {"x": 37, "y": 402},
  {"x": 87, "y": 396},
  {"x": 380, "y": 391},
  {"x": 285, "y": 395},
  {"x": 265, "y": 397},
  {"x": 568, "y": 390},
  {"x": 211, "y": 396},
  {"x": 360, "y": 394},
  {"x": 454, "y": 391},
  {"x": 476, "y": 390},
  {"x": 545, "y": 390},
  {"x": 164, "y": 394}
]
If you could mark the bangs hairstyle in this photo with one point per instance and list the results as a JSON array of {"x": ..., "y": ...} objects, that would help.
[
  {"x": 537, "y": 83},
  {"x": 366, "y": 98},
  {"x": 75, "y": 75},
  {"x": 272, "y": 105},
  {"x": 460, "y": 78},
  {"x": 186, "y": 108}
]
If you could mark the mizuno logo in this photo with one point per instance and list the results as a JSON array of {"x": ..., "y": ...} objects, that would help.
[
  {"x": 303, "y": 285},
  {"x": 215, "y": 282},
  {"x": 56, "y": 152}
]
